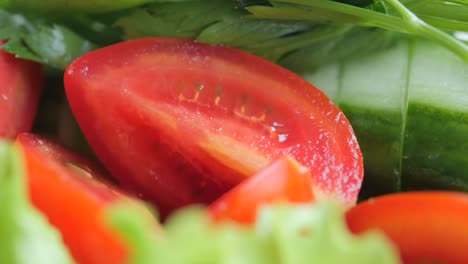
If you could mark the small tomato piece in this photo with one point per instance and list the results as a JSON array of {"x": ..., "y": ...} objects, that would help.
[
  {"x": 73, "y": 194},
  {"x": 285, "y": 180},
  {"x": 20, "y": 88},
  {"x": 427, "y": 227}
]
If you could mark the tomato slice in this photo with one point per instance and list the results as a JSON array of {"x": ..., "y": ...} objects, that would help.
[
  {"x": 20, "y": 87},
  {"x": 428, "y": 227},
  {"x": 72, "y": 193},
  {"x": 285, "y": 180},
  {"x": 182, "y": 122}
]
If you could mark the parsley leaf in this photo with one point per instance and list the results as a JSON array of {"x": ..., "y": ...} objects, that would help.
[
  {"x": 35, "y": 39},
  {"x": 224, "y": 23},
  {"x": 395, "y": 17}
]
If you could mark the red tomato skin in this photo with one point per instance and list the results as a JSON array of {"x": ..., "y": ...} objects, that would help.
[
  {"x": 75, "y": 204},
  {"x": 183, "y": 140},
  {"x": 425, "y": 226},
  {"x": 284, "y": 180},
  {"x": 20, "y": 88}
]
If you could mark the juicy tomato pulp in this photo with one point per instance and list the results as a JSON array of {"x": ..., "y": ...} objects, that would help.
[
  {"x": 20, "y": 87},
  {"x": 70, "y": 192},
  {"x": 284, "y": 180},
  {"x": 182, "y": 122},
  {"x": 427, "y": 227}
]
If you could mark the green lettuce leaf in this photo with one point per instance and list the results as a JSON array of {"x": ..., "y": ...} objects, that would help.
[
  {"x": 25, "y": 235},
  {"x": 283, "y": 234}
]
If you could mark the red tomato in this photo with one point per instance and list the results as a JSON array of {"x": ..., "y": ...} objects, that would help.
[
  {"x": 20, "y": 87},
  {"x": 71, "y": 193},
  {"x": 426, "y": 226},
  {"x": 285, "y": 180},
  {"x": 182, "y": 122}
]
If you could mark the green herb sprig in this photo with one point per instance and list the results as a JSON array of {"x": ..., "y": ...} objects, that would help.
[{"x": 389, "y": 14}]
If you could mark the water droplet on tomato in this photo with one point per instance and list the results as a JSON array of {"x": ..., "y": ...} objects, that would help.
[{"x": 282, "y": 137}]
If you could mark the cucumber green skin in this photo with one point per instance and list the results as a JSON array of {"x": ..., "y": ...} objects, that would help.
[
  {"x": 379, "y": 135},
  {"x": 435, "y": 154},
  {"x": 435, "y": 149}
]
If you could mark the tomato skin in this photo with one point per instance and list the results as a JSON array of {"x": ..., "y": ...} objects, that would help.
[
  {"x": 284, "y": 180},
  {"x": 21, "y": 85},
  {"x": 182, "y": 122},
  {"x": 425, "y": 226},
  {"x": 73, "y": 202}
]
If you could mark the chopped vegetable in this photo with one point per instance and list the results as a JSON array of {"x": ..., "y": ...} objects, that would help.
[
  {"x": 186, "y": 140},
  {"x": 435, "y": 150},
  {"x": 284, "y": 180},
  {"x": 20, "y": 88},
  {"x": 179, "y": 122},
  {"x": 65, "y": 187},
  {"x": 410, "y": 121},
  {"x": 428, "y": 227},
  {"x": 74, "y": 195}
]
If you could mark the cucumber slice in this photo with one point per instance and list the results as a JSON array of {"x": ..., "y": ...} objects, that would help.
[
  {"x": 435, "y": 152},
  {"x": 371, "y": 91},
  {"x": 409, "y": 109},
  {"x": 372, "y": 96}
]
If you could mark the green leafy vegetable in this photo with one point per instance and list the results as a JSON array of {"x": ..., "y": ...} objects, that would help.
[
  {"x": 36, "y": 39},
  {"x": 324, "y": 30},
  {"x": 25, "y": 235},
  {"x": 223, "y": 23},
  {"x": 179, "y": 19},
  {"x": 90, "y": 6},
  {"x": 283, "y": 234},
  {"x": 354, "y": 43},
  {"x": 399, "y": 18},
  {"x": 271, "y": 29}
]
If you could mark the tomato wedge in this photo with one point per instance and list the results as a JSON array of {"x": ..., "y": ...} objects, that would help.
[
  {"x": 182, "y": 122},
  {"x": 20, "y": 88},
  {"x": 285, "y": 180},
  {"x": 71, "y": 192},
  {"x": 428, "y": 227}
]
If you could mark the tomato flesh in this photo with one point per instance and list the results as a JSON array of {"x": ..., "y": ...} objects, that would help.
[
  {"x": 284, "y": 180},
  {"x": 427, "y": 227},
  {"x": 20, "y": 87},
  {"x": 71, "y": 192},
  {"x": 182, "y": 122}
]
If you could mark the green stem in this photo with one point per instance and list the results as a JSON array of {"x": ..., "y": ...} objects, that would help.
[
  {"x": 421, "y": 28},
  {"x": 363, "y": 16},
  {"x": 445, "y": 24},
  {"x": 461, "y": 2}
]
